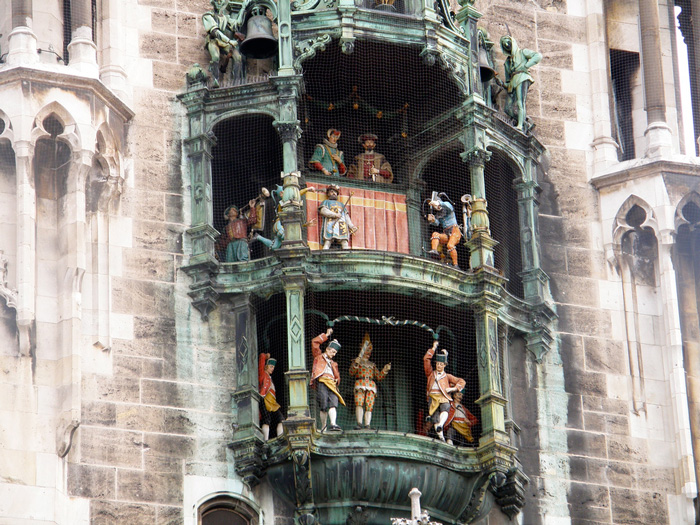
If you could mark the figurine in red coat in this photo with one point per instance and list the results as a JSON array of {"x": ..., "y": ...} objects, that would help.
[
  {"x": 270, "y": 409},
  {"x": 460, "y": 421},
  {"x": 326, "y": 378},
  {"x": 440, "y": 386}
]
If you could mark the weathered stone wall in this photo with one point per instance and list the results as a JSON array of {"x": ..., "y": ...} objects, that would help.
[
  {"x": 157, "y": 422},
  {"x": 605, "y": 457},
  {"x": 156, "y": 413}
]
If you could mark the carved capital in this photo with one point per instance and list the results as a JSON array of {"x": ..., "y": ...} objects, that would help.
[
  {"x": 288, "y": 131},
  {"x": 347, "y": 46},
  {"x": 476, "y": 157}
]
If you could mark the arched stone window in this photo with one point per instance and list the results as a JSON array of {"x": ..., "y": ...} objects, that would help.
[{"x": 227, "y": 510}]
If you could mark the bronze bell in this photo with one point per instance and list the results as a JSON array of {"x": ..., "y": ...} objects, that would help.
[
  {"x": 259, "y": 42},
  {"x": 485, "y": 70}
]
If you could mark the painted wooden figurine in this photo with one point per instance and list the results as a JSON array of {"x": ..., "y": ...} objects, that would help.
[
  {"x": 365, "y": 388},
  {"x": 233, "y": 243},
  {"x": 270, "y": 409},
  {"x": 337, "y": 224},
  {"x": 517, "y": 77},
  {"x": 327, "y": 158},
  {"x": 440, "y": 386},
  {"x": 221, "y": 42},
  {"x": 370, "y": 165},
  {"x": 442, "y": 214},
  {"x": 325, "y": 377},
  {"x": 459, "y": 421},
  {"x": 277, "y": 227}
]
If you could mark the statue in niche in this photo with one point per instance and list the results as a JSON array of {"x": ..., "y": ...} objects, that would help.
[
  {"x": 270, "y": 409},
  {"x": 459, "y": 421},
  {"x": 327, "y": 158},
  {"x": 440, "y": 386},
  {"x": 325, "y": 377},
  {"x": 232, "y": 245},
  {"x": 337, "y": 224},
  {"x": 517, "y": 78},
  {"x": 222, "y": 42},
  {"x": 442, "y": 214},
  {"x": 370, "y": 165},
  {"x": 365, "y": 388}
]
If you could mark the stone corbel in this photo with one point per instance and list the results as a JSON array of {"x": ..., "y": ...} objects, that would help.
[
  {"x": 509, "y": 490},
  {"x": 543, "y": 336},
  {"x": 64, "y": 438}
]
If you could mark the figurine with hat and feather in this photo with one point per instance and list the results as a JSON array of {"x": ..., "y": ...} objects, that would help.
[
  {"x": 325, "y": 377},
  {"x": 232, "y": 245},
  {"x": 459, "y": 421},
  {"x": 440, "y": 386},
  {"x": 270, "y": 409}
]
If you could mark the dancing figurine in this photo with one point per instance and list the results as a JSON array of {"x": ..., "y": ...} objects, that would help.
[
  {"x": 440, "y": 386},
  {"x": 365, "y": 388},
  {"x": 442, "y": 214},
  {"x": 270, "y": 409},
  {"x": 326, "y": 378}
]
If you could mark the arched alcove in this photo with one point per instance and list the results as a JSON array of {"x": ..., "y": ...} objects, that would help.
[
  {"x": 246, "y": 158},
  {"x": 499, "y": 173},
  {"x": 446, "y": 172},
  {"x": 382, "y": 89},
  {"x": 227, "y": 510}
]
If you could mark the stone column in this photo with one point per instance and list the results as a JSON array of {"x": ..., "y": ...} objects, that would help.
[
  {"x": 492, "y": 401},
  {"x": 287, "y": 125},
  {"x": 71, "y": 231},
  {"x": 298, "y": 376},
  {"x": 82, "y": 50},
  {"x": 604, "y": 146},
  {"x": 202, "y": 235},
  {"x": 26, "y": 246},
  {"x": 112, "y": 72},
  {"x": 694, "y": 66},
  {"x": 299, "y": 425},
  {"x": 659, "y": 140},
  {"x": 286, "y": 45},
  {"x": 680, "y": 297},
  {"x": 22, "y": 40},
  {"x": 481, "y": 244},
  {"x": 247, "y": 438}
]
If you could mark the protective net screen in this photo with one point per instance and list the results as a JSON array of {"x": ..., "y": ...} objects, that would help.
[
  {"x": 686, "y": 35},
  {"x": 381, "y": 125},
  {"x": 380, "y": 329}
]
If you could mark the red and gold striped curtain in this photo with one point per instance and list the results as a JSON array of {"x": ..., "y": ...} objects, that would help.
[{"x": 380, "y": 217}]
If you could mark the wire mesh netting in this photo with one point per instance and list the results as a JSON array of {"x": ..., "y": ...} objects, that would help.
[
  {"x": 381, "y": 124},
  {"x": 381, "y": 329}
]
